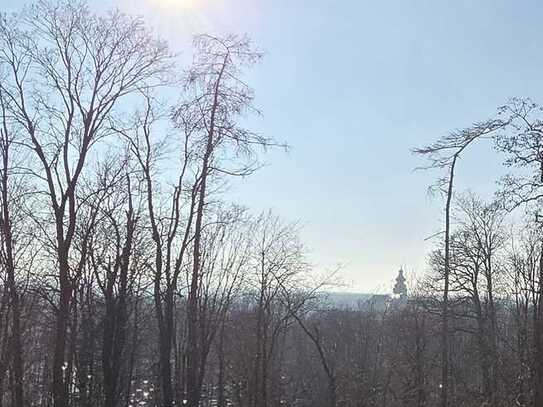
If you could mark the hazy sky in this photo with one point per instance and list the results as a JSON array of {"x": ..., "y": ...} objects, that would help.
[{"x": 352, "y": 85}]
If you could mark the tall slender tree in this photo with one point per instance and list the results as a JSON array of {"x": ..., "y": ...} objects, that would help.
[
  {"x": 216, "y": 98},
  {"x": 444, "y": 154},
  {"x": 9, "y": 189}
]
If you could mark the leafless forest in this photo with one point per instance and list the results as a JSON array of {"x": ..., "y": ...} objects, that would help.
[{"x": 127, "y": 279}]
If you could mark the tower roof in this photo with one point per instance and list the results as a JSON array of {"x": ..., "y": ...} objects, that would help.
[{"x": 400, "y": 288}]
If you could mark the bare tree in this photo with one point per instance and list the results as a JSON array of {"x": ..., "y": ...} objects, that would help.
[
  {"x": 444, "y": 154},
  {"x": 523, "y": 146},
  {"x": 113, "y": 262},
  {"x": 68, "y": 70},
  {"x": 10, "y": 192},
  {"x": 523, "y": 268},
  {"x": 279, "y": 266},
  {"x": 476, "y": 248},
  {"x": 327, "y": 360},
  {"x": 170, "y": 216},
  {"x": 216, "y": 97},
  {"x": 225, "y": 261}
]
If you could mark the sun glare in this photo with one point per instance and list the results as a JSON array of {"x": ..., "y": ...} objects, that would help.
[{"x": 183, "y": 18}]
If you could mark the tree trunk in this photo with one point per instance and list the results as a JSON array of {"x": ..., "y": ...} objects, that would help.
[
  {"x": 221, "y": 398},
  {"x": 538, "y": 338},
  {"x": 193, "y": 362},
  {"x": 16, "y": 342},
  {"x": 445, "y": 316},
  {"x": 60, "y": 384}
]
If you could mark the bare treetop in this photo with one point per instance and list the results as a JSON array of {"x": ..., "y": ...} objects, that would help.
[
  {"x": 441, "y": 153},
  {"x": 216, "y": 98}
]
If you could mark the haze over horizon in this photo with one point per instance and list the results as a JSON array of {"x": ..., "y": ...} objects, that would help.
[{"x": 352, "y": 87}]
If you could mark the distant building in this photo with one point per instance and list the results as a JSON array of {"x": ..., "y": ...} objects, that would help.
[
  {"x": 400, "y": 289},
  {"x": 381, "y": 302}
]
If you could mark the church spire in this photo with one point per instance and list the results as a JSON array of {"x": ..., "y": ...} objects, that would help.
[{"x": 400, "y": 288}]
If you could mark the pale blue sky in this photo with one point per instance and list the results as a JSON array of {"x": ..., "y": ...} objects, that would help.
[{"x": 352, "y": 86}]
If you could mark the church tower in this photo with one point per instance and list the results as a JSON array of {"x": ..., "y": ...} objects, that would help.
[{"x": 400, "y": 289}]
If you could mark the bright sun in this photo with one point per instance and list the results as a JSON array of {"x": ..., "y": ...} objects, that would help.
[{"x": 174, "y": 18}]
